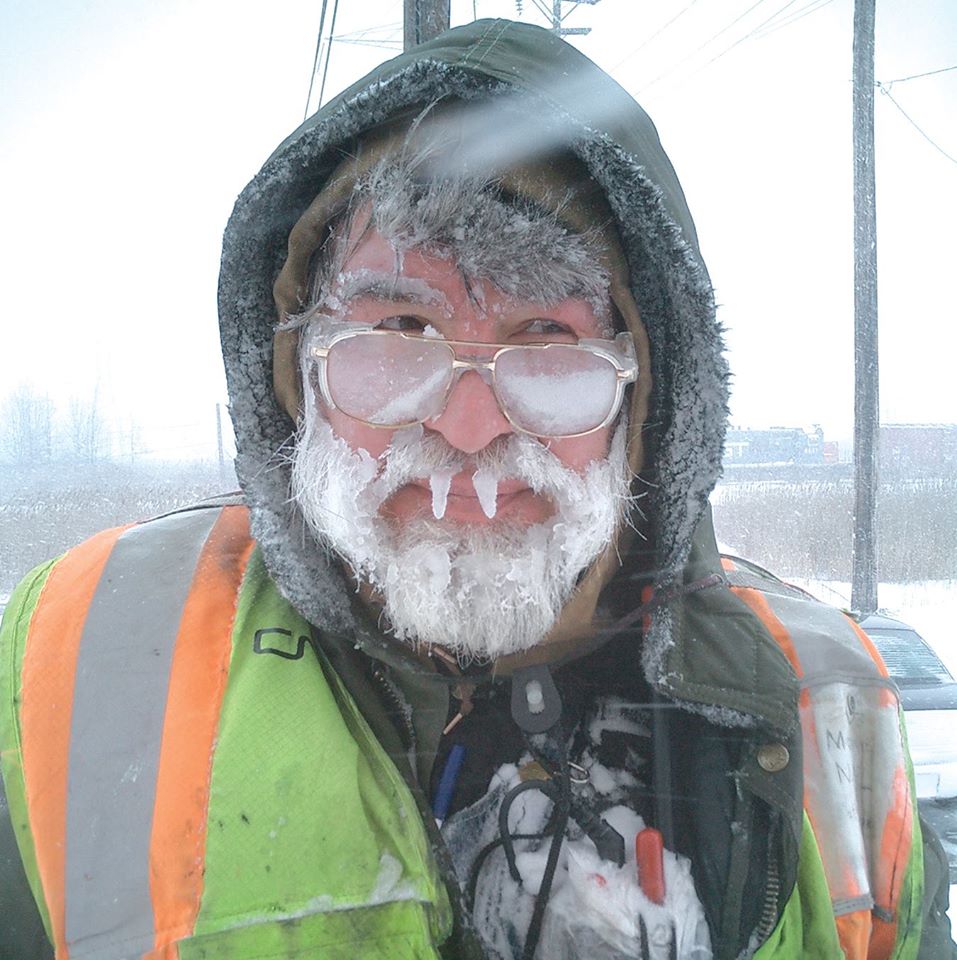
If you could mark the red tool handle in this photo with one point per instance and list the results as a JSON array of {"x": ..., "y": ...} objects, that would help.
[{"x": 649, "y": 852}]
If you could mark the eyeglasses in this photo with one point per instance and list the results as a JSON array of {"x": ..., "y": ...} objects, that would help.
[{"x": 392, "y": 379}]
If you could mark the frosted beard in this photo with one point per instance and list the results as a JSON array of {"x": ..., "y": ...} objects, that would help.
[{"x": 478, "y": 591}]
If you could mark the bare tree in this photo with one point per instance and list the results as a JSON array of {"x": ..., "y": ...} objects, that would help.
[
  {"x": 87, "y": 435},
  {"x": 132, "y": 440},
  {"x": 26, "y": 427}
]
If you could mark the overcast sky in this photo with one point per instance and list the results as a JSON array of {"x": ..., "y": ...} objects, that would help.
[{"x": 129, "y": 127}]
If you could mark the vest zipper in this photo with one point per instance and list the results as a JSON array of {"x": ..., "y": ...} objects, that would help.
[{"x": 401, "y": 708}]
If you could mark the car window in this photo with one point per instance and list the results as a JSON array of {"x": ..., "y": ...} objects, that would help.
[{"x": 908, "y": 658}]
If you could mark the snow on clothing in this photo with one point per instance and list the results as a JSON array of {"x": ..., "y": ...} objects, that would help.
[{"x": 724, "y": 658}]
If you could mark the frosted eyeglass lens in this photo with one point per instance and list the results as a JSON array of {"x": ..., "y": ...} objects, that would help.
[
  {"x": 558, "y": 391},
  {"x": 388, "y": 380}
]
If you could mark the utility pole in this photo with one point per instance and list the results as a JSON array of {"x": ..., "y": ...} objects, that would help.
[
  {"x": 557, "y": 18},
  {"x": 424, "y": 19},
  {"x": 866, "y": 409}
]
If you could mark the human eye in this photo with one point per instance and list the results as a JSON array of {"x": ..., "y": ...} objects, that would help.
[
  {"x": 543, "y": 328},
  {"x": 403, "y": 322}
]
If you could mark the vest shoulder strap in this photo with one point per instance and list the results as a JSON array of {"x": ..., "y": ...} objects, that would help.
[
  {"x": 162, "y": 719},
  {"x": 858, "y": 791}
]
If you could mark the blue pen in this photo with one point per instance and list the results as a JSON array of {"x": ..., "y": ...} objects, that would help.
[{"x": 446, "y": 788}]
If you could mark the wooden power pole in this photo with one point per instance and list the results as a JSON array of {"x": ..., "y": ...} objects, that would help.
[
  {"x": 424, "y": 19},
  {"x": 866, "y": 410},
  {"x": 558, "y": 17}
]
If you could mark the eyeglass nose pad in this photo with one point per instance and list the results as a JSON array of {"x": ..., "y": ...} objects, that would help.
[{"x": 483, "y": 372}]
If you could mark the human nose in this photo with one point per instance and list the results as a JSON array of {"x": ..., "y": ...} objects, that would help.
[{"x": 472, "y": 418}]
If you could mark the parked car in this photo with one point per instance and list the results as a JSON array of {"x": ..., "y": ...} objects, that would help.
[{"x": 929, "y": 697}]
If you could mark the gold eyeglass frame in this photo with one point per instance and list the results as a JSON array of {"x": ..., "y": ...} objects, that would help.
[{"x": 619, "y": 352}]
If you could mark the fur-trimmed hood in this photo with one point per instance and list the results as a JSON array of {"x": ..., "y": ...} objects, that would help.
[{"x": 564, "y": 100}]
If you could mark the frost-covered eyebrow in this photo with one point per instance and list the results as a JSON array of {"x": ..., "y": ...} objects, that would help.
[{"x": 388, "y": 287}]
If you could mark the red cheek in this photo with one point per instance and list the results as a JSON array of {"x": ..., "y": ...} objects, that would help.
[
  {"x": 577, "y": 453},
  {"x": 359, "y": 436}
]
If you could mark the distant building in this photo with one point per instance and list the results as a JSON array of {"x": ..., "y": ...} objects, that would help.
[
  {"x": 917, "y": 451},
  {"x": 776, "y": 445}
]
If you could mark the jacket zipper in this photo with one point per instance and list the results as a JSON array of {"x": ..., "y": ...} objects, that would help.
[{"x": 769, "y": 913}]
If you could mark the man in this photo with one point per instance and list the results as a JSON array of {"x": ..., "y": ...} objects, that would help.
[{"x": 462, "y": 673}]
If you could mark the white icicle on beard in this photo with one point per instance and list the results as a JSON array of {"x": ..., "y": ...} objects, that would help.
[{"x": 480, "y": 592}]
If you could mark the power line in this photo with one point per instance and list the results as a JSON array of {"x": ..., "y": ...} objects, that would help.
[
  {"x": 391, "y": 28},
  {"x": 883, "y": 89},
  {"x": 656, "y": 34},
  {"x": 698, "y": 50},
  {"x": 805, "y": 11},
  {"x": 325, "y": 70},
  {"x": 917, "y": 76},
  {"x": 755, "y": 32},
  {"x": 359, "y": 42},
  {"x": 364, "y": 36},
  {"x": 748, "y": 36},
  {"x": 315, "y": 59}
]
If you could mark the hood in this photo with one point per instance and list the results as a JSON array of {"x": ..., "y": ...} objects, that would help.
[{"x": 552, "y": 97}]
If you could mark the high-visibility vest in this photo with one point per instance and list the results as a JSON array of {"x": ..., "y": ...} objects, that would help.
[
  {"x": 189, "y": 779},
  {"x": 186, "y": 775},
  {"x": 858, "y": 785}
]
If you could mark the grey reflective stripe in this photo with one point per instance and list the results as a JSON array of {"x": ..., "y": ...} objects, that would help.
[
  {"x": 827, "y": 645},
  {"x": 119, "y": 704},
  {"x": 852, "y": 905}
]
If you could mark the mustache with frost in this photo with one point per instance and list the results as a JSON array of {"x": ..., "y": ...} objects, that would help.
[{"x": 478, "y": 591}]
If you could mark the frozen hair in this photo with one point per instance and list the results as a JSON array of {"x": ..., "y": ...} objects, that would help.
[{"x": 492, "y": 234}]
